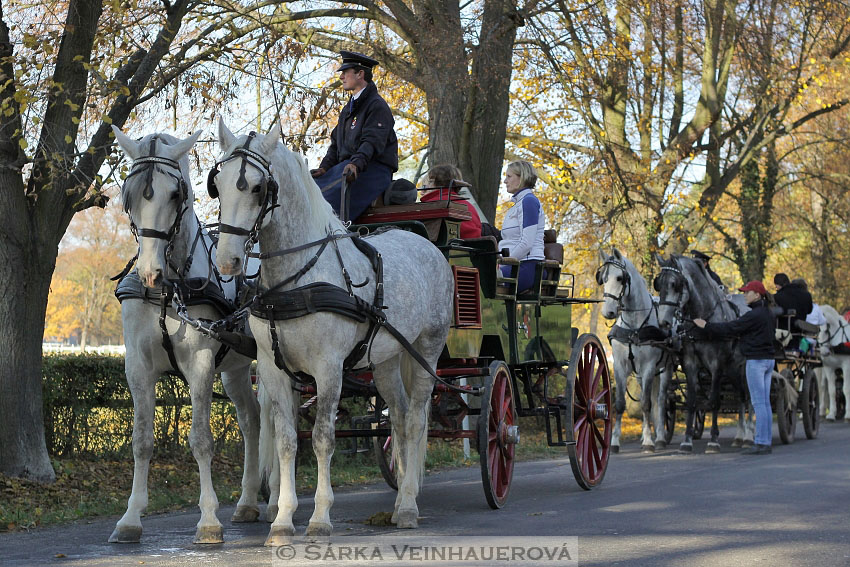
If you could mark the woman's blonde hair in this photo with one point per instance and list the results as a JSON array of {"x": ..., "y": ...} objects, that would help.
[{"x": 526, "y": 173}]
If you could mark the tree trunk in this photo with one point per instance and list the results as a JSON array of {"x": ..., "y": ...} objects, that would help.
[
  {"x": 485, "y": 128},
  {"x": 26, "y": 266}
]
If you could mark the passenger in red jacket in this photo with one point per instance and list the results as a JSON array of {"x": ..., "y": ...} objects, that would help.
[{"x": 446, "y": 180}]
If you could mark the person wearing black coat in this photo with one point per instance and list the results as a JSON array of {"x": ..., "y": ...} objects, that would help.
[
  {"x": 791, "y": 295},
  {"x": 755, "y": 331},
  {"x": 705, "y": 259},
  {"x": 364, "y": 147}
]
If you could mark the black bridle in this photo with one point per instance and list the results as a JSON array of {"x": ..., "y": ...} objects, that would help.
[
  {"x": 681, "y": 283},
  {"x": 832, "y": 334},
  {"x": 268, "y": 186},
  {"x": 147, "y": 165},
  {"x": 625, "y": 288}
]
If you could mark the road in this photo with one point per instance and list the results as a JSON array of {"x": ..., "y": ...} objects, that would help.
[{"x": 788, "y": 508}]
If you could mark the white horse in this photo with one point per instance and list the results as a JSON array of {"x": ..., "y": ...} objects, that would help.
[
  {"x": 173, "y": 247},
  {"x": 834, "y": 333},
  {"x": 627, "y": 299},
  {"x": 267, "y": 193}
]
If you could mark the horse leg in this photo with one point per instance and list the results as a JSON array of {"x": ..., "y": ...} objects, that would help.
[
  {"x": 660, "y": 409},
  {"x": 328, "y": 390},
  {"x": 237, "y": 385},
  {"x": 199, "y": 375},
  {"x": 142, "y": 387},
  {"x": 845, "y": 371},
  {"x": 691, "y": 375},
  {"x": 713, "y": 446},
  {"x": 420, "y": 387},
  {"x": 621, "y": 374},
  {"x": 278, "y": 387},
  {"x": 825, "y": 391},
  {"x": 646, "y": 444},
  {"x": 390, "y": 384},
  {"x": 269, "y": 464}
]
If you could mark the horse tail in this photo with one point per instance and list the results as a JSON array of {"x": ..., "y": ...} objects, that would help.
[{"x": 268, "y": 454}]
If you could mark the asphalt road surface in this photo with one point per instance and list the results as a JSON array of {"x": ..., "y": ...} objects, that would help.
[{"x": 788, "y": 508}]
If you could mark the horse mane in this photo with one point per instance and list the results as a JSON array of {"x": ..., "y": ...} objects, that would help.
[
  {"x": 285, "y": 162},
  {"x": 693, "y": 269},
  {"x": 132, "y": 191}
]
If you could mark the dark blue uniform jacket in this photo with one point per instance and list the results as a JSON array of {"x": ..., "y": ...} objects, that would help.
[{"x": 364, "y": 133}]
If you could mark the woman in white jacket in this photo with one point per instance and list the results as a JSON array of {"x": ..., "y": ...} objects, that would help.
[{"x": 522, "y": 230}]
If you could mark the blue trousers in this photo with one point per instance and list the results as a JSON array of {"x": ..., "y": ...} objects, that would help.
[
  {"x": 525, "y": 278},
  {"x": 370, "y": 183},
  {"x": 759, "y": 373}
]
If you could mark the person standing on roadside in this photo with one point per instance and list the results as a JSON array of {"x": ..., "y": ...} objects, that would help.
[{"x": 755, "y": 332}]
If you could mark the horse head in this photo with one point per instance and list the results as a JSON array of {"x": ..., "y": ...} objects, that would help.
[
  {"x": 247, "y": 191},
  {"x": 836, "y": 330},
  {"x": 156, "y": 195},
  {"x": 673, "y": 291},
  {"x": 624, "y": 291}
]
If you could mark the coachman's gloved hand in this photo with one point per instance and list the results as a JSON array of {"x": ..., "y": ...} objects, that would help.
[
  {"x": 350, "y": 172},
  {"x": 318, "y": 172}
]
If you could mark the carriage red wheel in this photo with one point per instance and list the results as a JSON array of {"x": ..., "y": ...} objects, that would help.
[
  {"x": 498, "y": 434},
  {"x": 810, "y": 404},
  {"x": 588, "y": 412},
  {"x": 382, "y": 446}
]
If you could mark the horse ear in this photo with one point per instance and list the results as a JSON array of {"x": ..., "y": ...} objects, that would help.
[
  {"x": 182, "y": 147},
  {"x": 128, "y": 144},
  {"x": 271, "y": 139},
  {"x": 616, "y": 254},
  {"x": 658, "y": 258},
  {"x": 225, "y": 136}
]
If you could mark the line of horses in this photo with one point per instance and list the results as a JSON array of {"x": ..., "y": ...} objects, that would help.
[{"x": 652, "y": 337}]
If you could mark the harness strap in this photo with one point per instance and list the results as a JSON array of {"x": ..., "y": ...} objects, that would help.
[{"x": 166, "y": 338}]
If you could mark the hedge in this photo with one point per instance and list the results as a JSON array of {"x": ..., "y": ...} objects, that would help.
[{"x": 88, "y": 409}]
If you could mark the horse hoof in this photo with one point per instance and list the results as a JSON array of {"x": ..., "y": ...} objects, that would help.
[
  {"x": 647, "y": 448},
  {"x": 319, "y": 529},
  {"x": 615, "y": 448},
  {"x": 408, "y": 519},
  {"x": 208, "y": 534},
  {"x": 830, "y": 418},
  {"x": 712, "y": 448},
  {"x": 686, "y": 448},
  {"x": 244, "y": 514},
  {"x": 736, "y": 443},
  {"x": 280, "y": 535},
  {"x": 660, "y": 445},
  {"x": 126, "y": 534},
  {"x": 747, "y": 444},
  {"x": 271, "y": 513}
]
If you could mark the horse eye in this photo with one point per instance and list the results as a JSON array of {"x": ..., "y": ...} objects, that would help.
[
  {"x": 256, "y": 189},
  {"x": 174, "y": 196},
  {"x": 619, "y": 278}
]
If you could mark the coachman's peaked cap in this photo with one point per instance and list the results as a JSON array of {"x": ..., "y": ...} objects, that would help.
[
  {"x": 352, "y": 59},
  {"x": 700, "y": 255}
]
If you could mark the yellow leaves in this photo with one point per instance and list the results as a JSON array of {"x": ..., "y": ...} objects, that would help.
[
  {"x": 107, "y": 119},
  {"x": 73, "y": 106},
  {"x": 22, "y": 143},
  {"x": 68, "y": 139}
]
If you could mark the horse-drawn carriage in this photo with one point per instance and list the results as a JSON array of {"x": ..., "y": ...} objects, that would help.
[{"x": 508, "y": 355}]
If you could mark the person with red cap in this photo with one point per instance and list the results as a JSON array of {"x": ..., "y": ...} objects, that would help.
[{"x": 755, "y": 331}]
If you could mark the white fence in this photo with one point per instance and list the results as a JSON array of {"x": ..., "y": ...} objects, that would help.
[{"x": 56, "y": 348}]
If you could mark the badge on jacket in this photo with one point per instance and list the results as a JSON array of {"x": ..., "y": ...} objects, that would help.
[{"x": 353, "y": 123}]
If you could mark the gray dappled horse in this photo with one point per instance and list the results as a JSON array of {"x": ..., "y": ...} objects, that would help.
[
  {"x": 831, "y": 341},
  {"x": 175, "y": 249},
  {"x": 634, "y": 343},
  {"x": 687, "y": 292},
  {"x": 308, "y": 257}
]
